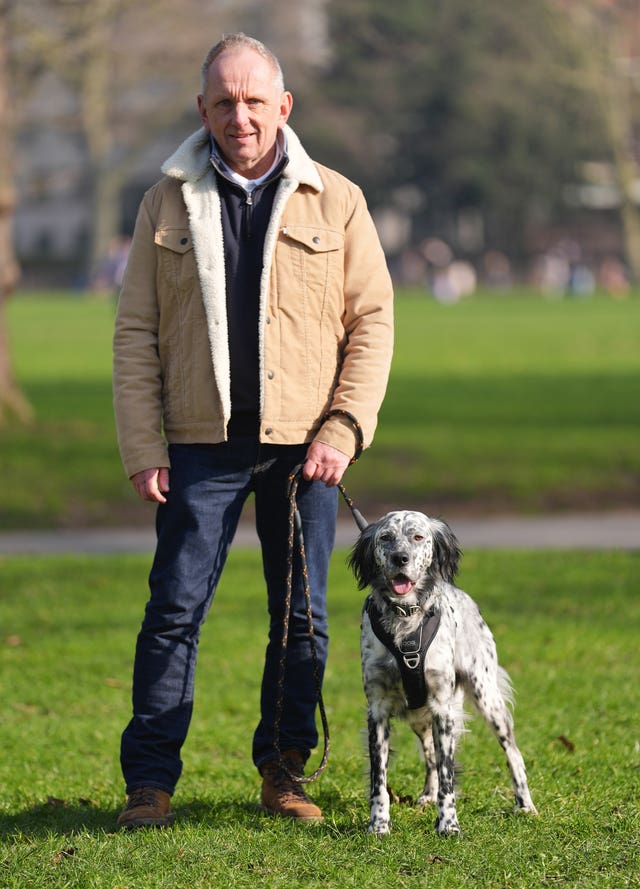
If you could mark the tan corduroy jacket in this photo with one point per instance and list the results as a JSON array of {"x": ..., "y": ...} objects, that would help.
[{"x": 325, "y": 323}]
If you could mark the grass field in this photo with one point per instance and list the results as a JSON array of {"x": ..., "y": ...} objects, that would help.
[
  {"x": 510, "y": 402},
  {"x": 499, "y": 403},
  {"x": 567, "y": 630}
]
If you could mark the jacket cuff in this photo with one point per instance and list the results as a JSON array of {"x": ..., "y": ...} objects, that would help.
[
  {"x": 134, "y": 463},
  {"x": 338, "y": 432}
]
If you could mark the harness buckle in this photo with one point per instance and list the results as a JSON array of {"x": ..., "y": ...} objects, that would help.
[{"x": 405, "y": 612}]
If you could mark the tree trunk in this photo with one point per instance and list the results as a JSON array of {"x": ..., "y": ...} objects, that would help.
[
  {"x": 604, "y": 30},
  {"x": 12, "y": 401},
  {"x": 617, "y": 110}
]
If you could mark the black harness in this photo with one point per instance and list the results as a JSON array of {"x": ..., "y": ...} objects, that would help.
[{"x": 411, "y": 652}]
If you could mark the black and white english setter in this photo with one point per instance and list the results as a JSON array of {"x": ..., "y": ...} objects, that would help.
[{"x": 424, "y": 645}]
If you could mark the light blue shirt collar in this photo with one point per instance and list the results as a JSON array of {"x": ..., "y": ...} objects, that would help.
[{"x": 248, "y": 184}]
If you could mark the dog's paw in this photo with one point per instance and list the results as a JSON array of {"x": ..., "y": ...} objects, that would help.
[
  {"x": 448, "y": 827},
  {"x": 380, "y": 826},
  {"x": 427, "y": 799},
  {"x": 528, "y": 809}
]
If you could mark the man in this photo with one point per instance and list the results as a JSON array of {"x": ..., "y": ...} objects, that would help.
[{"x": 256, "y": 299}]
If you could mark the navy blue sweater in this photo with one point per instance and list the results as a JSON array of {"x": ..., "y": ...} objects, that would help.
[{"x": 245, "y": 219}]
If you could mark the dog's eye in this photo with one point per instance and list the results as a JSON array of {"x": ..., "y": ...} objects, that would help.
[
  {"x": 386, "y": 536},
  {"x": 418, "y": 536}
]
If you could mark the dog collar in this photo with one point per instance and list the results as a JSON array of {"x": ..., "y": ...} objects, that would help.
[{"x": 411, "y": 652}]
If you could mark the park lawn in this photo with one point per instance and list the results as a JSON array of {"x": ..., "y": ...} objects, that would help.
[
  {"x": 501, "y": 403},
  {"x": 508, "y": 403},
  {"x": 567, "y": 629}
]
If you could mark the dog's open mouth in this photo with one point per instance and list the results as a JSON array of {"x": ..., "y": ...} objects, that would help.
[{"x": 401, "y": 584}]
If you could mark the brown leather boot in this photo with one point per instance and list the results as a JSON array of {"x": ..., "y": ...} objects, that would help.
[
  {"x": 146, "y": 807},
  {"x": 283, "y": 796}
]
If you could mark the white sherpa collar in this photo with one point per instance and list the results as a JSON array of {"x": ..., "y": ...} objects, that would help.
[
  {"x": 190, "y": 162},
  {"x": 191, "y": 165}
]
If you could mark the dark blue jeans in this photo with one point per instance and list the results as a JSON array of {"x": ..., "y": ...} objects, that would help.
[{"x": 195, "y": 528}]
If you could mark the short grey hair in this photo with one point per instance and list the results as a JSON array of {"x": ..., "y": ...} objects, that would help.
[{"x": 242, "y": 41}]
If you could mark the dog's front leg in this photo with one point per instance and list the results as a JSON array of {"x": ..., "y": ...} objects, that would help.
[
  {"x": 380, "y": 821},
  {"x": 444, "y": 738},
  {"x": 420, "y": 722}
]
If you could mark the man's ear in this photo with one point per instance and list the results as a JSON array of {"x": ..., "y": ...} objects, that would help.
[
  {"x": 202, "y": 111},
  {"x": 286, "y": 104}
]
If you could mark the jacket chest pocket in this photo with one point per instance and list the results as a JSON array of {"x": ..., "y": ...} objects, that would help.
[
  {"x": 315, "y": 257},
  {"x": 176, "y": 260},
  {"x": 183, "y": 339}
]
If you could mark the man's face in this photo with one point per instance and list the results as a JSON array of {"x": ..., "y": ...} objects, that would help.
[{"x": 243, "y": 110}]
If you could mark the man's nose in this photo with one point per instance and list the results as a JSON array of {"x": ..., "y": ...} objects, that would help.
[{"x": 240, "y": 113}]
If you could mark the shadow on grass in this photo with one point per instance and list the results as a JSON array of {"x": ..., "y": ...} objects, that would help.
[
  {"x": 68, "y": 818},
  {"x": 57, "y": 817}
]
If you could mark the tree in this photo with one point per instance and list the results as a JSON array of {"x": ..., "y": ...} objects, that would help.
[
  {"x": 466, "y": 103},
  {"x": 12, "y": 401},
  {"x": 128, "y": 81},
  {"x": 606, "y": 35}
]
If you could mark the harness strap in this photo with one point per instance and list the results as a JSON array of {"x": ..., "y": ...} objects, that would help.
[{"x": 411, "y": 652}]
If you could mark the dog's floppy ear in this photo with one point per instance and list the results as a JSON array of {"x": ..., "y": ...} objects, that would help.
[
  {"x": 446, "y": 550},
  {"x": 361, "y": 560}
]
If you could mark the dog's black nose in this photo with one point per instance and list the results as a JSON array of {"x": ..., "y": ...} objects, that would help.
[{"x": 399, "y": 558}]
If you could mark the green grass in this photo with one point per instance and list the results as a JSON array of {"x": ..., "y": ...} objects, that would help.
[
  {"x": 65, "y": 469},
  {"x": 510, "y": 403},
  {"x": 567, "y": 630},
  {"x": 497, "y": 403}
]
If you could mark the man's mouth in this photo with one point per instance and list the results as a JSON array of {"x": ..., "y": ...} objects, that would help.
[{"x": 401, "y": 584}]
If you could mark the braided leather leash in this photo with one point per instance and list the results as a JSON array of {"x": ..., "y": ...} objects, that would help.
[{"x": 296, "y": 535}]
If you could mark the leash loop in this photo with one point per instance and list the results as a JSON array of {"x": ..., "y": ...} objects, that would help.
[
  {"x": 296, "y": 535},
  {"x": 357, "y": 428},
  {"x": 295, "y": 531}
]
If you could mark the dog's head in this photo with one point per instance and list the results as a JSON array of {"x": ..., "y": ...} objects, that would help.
[{"x": 405, "y": 552}]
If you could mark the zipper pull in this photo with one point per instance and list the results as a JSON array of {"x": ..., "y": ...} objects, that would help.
[{"x": 247, "y": 214}]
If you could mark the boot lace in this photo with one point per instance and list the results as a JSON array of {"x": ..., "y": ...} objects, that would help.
[
  {"x": 143, "y": 796},
  {"x": 283, "y": 783}
]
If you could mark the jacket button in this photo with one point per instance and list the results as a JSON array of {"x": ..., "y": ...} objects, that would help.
[
  {"x": 268, "y": 430},
  {"x": 316, "y": 240},
  {"x": 268, "y": 320},
  {"x": 184, "y": 240},
  {"x": 270, "y": 375}
]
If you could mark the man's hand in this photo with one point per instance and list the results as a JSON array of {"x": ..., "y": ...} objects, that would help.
[
  {"x": 151, "y": 484},
  {"x": 324, "y": 464}
]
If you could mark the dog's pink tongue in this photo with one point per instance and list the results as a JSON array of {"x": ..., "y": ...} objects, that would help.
[{"x": 401, "y": 587}]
